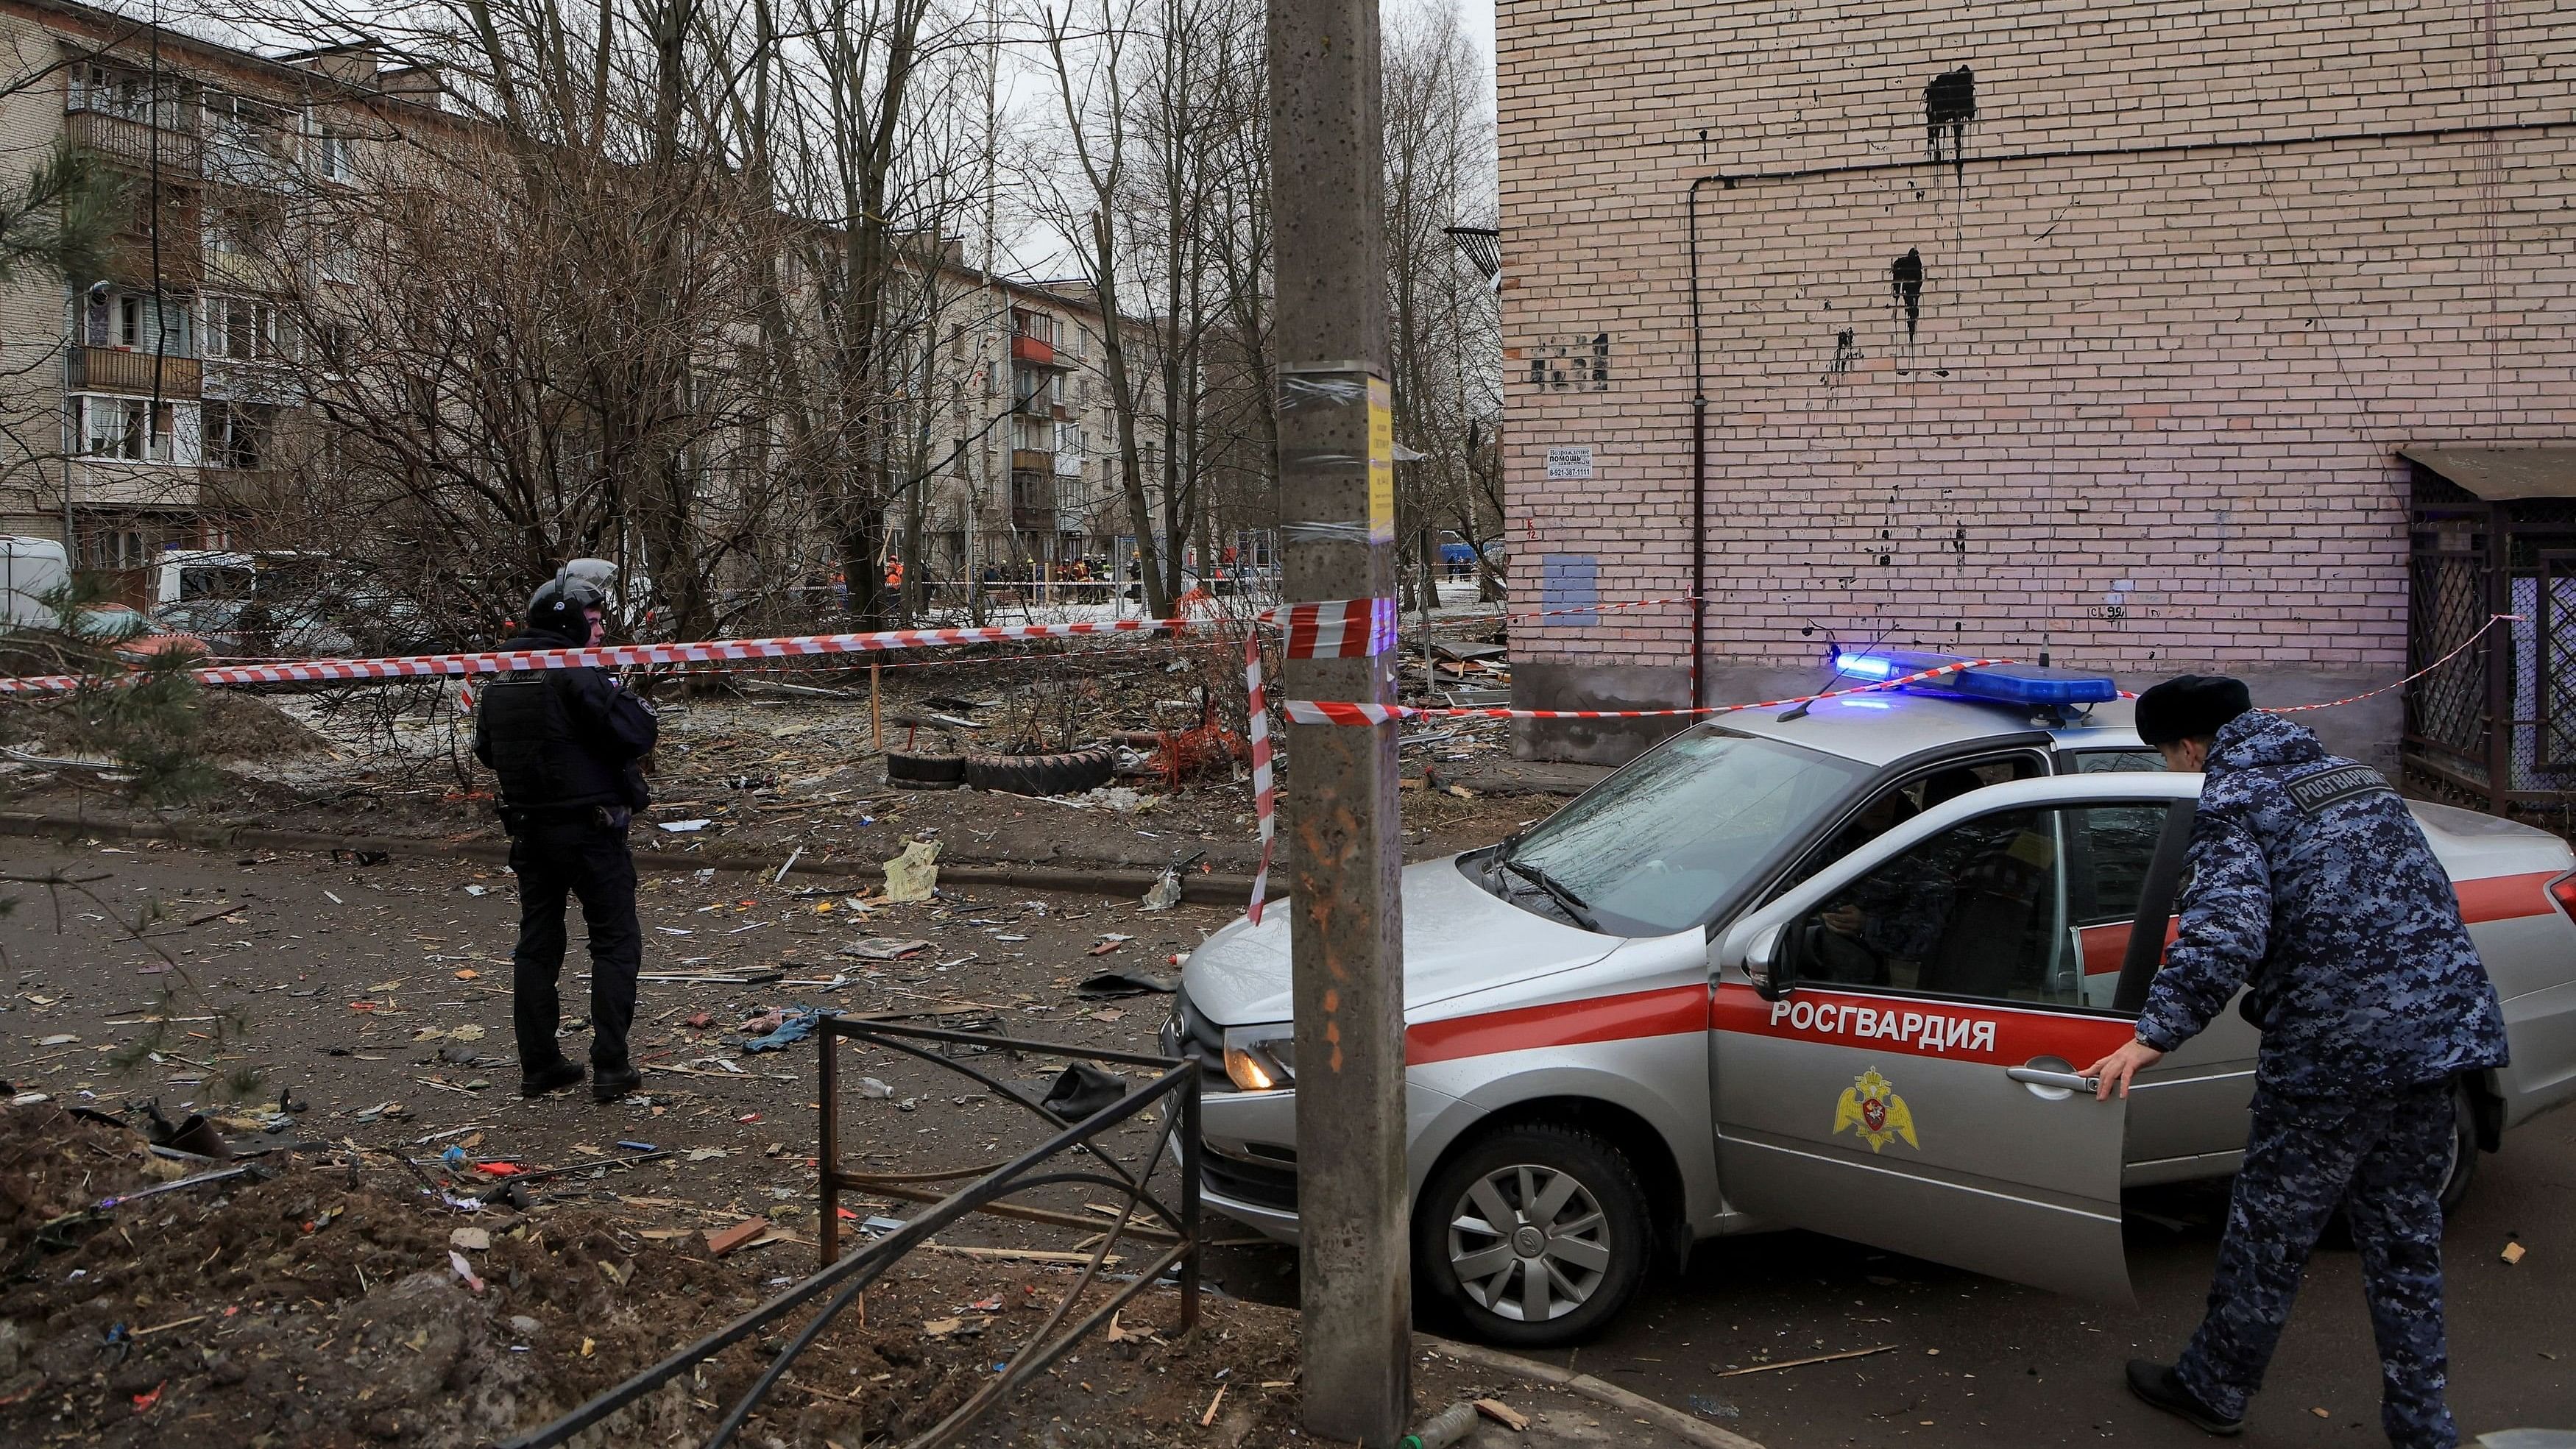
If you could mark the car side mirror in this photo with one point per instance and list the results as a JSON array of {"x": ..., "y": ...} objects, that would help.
[{"x": 1762, "y": 962}]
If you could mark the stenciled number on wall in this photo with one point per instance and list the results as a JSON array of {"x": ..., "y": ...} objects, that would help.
[{"x": 1570, "y": 364}]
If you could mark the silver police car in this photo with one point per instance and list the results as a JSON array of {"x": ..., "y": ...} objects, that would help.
[{"x": 1830, "y": 968}]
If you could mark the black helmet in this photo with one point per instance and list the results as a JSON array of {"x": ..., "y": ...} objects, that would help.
[{"x": 561, "y": 605}]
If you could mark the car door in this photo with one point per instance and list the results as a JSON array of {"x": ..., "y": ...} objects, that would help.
[{"x": 1894, "y": 1043}]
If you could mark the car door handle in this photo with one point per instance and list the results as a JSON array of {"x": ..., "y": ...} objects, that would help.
[{"x": 2066, "y": 1081}]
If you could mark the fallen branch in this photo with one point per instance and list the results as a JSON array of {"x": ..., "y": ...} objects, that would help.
[{"x": 1764, "y": 1368}]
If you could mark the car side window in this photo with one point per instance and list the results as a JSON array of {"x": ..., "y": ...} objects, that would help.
[
  {"x": 1995, "y": 908},
  {"x": 1902, "y": 801}
]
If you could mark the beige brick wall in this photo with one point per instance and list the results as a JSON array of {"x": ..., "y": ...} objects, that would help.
[{"x": 2152, "y": 402}]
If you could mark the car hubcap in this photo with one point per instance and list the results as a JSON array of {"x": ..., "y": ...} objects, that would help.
[{"x": 1528, "y": 1243}]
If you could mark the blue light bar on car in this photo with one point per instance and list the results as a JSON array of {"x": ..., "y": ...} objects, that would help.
[
  {"x": 2023, "y": 684},
  {"x": 1867, "y": 666}
]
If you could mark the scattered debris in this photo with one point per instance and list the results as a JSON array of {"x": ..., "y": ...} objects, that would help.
[
  {"x": 2512, "y": 1253},
  {"x": 883, "y": 948},
  {"x": 1764, "y": 1368},
  {"x": 1165, "y": 892},
  {"x": 913, "y": 876},
  {"x": 721, "y": 1241}
]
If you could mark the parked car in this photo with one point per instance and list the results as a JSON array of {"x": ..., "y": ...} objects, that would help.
[{"x": 1829, "y": 968}]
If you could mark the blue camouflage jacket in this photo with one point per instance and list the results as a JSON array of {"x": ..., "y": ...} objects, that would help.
[{"x": 2313, "y": 887}]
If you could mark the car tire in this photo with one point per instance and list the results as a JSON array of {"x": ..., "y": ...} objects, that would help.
[
  {"x": 924, "y": 772},
  {"x": 1592, "y": 1250},
  {"x": 1068, "y": 773},
  {"x": 2463, "y": 1169}
]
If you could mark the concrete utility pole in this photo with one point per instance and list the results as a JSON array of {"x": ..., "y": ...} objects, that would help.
[{"x": 1337, "y": 518}]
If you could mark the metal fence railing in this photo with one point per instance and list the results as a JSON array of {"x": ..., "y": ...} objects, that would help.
[{"x": 981, "y": 1189}]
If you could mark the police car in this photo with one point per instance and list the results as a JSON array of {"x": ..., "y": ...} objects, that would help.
[{"x": 1834, "y": 968}]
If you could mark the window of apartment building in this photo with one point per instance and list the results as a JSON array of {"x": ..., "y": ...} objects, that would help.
[
  {"x": 115, "y": 543},
  {"x": 107, "y": 90},
  {"x": 245, "y": 329},
  {"x": 248, "y": 226},
  {"x": 332, "y": 158},
  {"x": 1033, "y": 435},
  {"x": 132, "y": 321},
  {"x": 134, "y": 428},
  {"x": 1034, "y": 387},
  {"x": 237, "y": 434}
]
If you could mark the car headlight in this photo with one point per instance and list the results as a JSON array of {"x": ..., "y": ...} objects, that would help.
[{"x": 1261, "y": 1058}]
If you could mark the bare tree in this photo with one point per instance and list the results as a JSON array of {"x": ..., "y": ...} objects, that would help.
[{"x": 1443, "y": 326}]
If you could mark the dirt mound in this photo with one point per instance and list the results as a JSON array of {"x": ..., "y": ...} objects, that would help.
[
  {"x": 236, "y": 726},
  {"x": 320, "y": 1308},
  {"x": 53, "y": 1165}
]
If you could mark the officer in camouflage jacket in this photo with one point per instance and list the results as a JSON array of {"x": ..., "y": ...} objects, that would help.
[{"x": 2313, "y": 888}]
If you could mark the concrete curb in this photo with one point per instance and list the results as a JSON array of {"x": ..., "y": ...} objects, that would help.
[
  {"x": 1662, "y": 1416},
  {"x": 1205, "y": 889}
]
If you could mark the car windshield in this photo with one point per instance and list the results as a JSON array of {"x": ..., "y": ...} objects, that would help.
[{"x": 1656, "y": 847}]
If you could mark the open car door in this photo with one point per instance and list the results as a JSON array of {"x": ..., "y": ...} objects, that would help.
[{"x": 1894, "y": 1043}]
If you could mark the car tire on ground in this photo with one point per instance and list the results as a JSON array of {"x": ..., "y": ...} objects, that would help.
[
  {"x": 924, "y": 772},
  {"x": 1068, "y": 773},
  {"x": 2464, "y": 1150},
  {"x": 1569, "y": 1257}
]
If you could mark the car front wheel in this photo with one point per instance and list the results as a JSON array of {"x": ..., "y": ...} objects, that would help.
[
  {"x": 2463, "y": 1168},
  {"x": 1535, "y": 1235}
]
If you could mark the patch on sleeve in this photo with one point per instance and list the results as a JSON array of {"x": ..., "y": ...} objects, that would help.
[{"x": 2335, "y": 786}]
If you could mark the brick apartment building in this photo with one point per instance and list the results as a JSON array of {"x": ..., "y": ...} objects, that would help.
[
  {"x": 2161, "y": 332},
  {"x": 151, "y": 408}
]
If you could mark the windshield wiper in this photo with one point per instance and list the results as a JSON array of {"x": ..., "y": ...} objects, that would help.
[{"x": 1573, "y": 904}]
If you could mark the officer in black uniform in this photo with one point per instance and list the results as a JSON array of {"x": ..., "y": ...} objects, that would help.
[
  {"x": 569, "y": 746},
  {"x": 2314, "y": 889}
]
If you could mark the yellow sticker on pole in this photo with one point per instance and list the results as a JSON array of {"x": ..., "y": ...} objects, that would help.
[{"x": 1381, "y": 444}]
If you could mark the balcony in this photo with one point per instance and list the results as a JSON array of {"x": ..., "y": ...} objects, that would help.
[
  {"x": 125, "y": 370},
  {"x": 136, "y": 144},
  {"x": 1033, "y": 350},
  {"x": 1032, "y": 460}
]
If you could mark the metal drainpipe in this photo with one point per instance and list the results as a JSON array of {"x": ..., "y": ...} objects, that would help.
[{"x": 1699, "y": 464}]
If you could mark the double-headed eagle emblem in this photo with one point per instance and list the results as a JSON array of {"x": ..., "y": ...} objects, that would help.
[{"x": 1871, "y": 1107}]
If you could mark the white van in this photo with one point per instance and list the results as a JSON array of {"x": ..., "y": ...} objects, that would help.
[{"x": 30, "y": 570}]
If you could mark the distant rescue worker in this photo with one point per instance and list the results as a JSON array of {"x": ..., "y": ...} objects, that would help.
[
  {"x": 569, "y": 746},
  {"x": 2313, "y": 888}
]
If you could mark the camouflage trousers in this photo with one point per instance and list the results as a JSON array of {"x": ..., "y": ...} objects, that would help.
[{"x": 2382, "y": 1159}]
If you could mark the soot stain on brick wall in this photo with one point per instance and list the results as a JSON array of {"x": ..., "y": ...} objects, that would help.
[
  {"x": 1905, "y": 284},
  {"x": 1949, "y": 104},
  {"x": 1846, "y": 353}
]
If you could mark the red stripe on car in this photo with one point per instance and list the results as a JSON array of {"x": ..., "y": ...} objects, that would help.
[
  {"x": 1664, "y": 1012},
  {"x": 2504, "y": 897},
  {"x": 1958, "y": 1030}
]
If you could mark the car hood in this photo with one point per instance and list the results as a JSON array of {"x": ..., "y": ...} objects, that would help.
[{"x": 1458, "y": 937}]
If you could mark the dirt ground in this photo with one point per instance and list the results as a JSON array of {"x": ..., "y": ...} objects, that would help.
[
  {"x": 320, "y": 1308},
  {"x": 346, "y": 1021}
]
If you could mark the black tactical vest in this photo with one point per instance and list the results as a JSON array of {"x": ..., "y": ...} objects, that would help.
[{"x": 542, "y": 764}]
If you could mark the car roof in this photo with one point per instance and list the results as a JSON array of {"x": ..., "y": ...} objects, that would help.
[{"x": 1885, "y": 726}]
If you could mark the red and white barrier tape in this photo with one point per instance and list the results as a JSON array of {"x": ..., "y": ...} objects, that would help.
[
  {"x": 2492, "y": 621},
  {"x": 1336, "y": 628},
  {"x": 614, "y": 655},
  {"x": 1264, "y": 798},
  {"x": 1344, "y": 712}
]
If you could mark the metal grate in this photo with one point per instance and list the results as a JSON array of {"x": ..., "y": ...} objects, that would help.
[{"x": 2448, "y": 707}]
